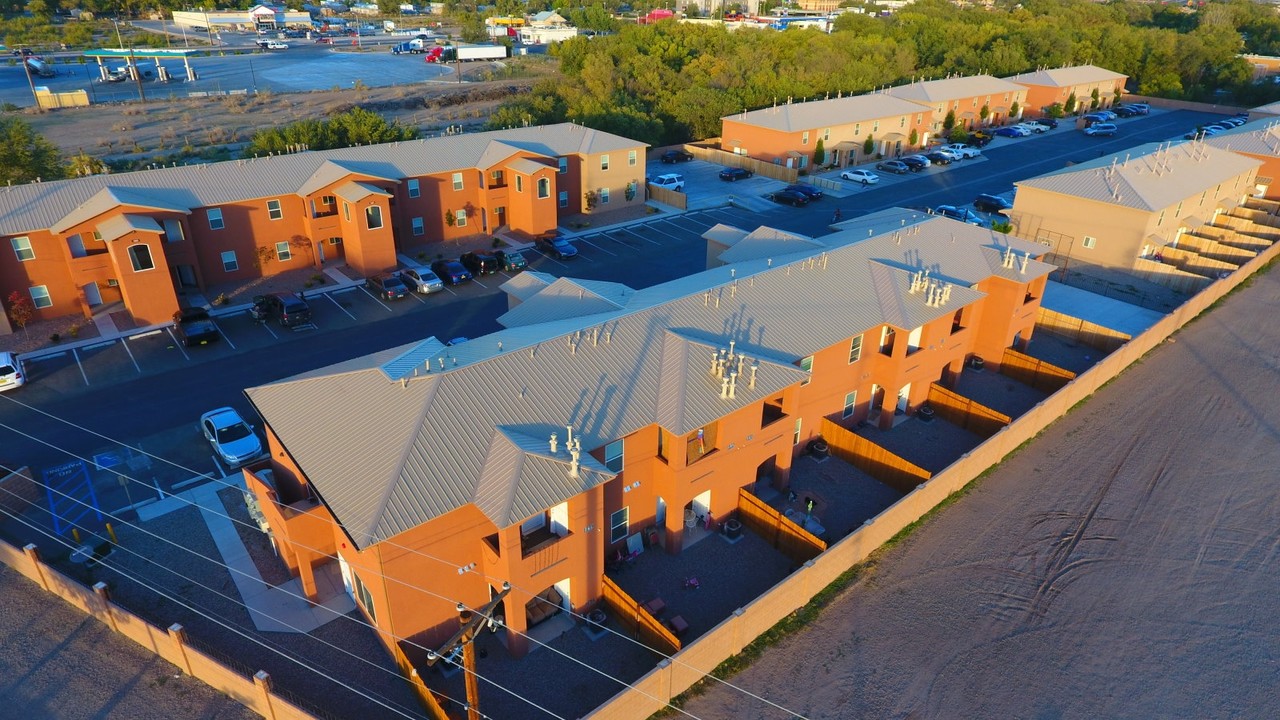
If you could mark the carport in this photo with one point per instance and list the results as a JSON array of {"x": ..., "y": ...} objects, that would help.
[{"x": 131, "y": 56}]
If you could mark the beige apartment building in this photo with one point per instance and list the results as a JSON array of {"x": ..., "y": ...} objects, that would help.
[{"x": 966, "y": 97}]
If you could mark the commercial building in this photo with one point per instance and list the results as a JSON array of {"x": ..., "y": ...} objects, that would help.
[
  {"x": 1086, "y": 83},
  {"x": 1116, "y": 211},
  {"x": 75, "y": 246},
  {"x": 258, "y": 17},
  {"x": 534, "y": 455}
]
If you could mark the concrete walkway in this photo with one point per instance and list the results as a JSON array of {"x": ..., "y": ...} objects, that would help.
[{"x": 274, "y": 609}]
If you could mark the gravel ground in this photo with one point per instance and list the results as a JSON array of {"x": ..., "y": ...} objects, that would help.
[
  {"x": 56, "y": 662},
  {"x": 264, "y": 557},
  {"x": 1124, "y": 564}
]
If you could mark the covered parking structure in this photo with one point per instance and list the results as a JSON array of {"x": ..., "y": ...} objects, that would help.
[{"x": 129, "y": 71}]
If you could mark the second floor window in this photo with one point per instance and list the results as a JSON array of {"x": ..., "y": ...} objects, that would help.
[
  {"x": 457, "y": 181},
  {"x": 373, "y": 215},
  {"x": 140, "y": 258},
  {"x": 544, "y": 188},
  {"x": 855, "y": 350},
  {"x": 22, "y": 248},
  {"x": 604, "y": 162},
  {"x": 274, "y": 210},
  {"x": 414, "y": 188},
  {"x": 215, "y": 218},
  {"x": 613, "y": 456}
]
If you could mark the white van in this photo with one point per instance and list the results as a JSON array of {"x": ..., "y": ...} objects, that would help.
[{"x": 11, "y": 375}]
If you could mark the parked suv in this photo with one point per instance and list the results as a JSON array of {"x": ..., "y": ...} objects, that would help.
[
  {"x": 1102, "y": 129},
  {"x": 991, "y": 203},
  {"x": 480, "y": 263},
  {"x": 387, "y": 286},
  {"x": 10, "y": 371},
  {"x": 670, "y": 181},
  {"x": 287, "y": 308}
]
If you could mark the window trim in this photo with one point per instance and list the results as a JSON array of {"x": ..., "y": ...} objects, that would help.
[
  {"x": 604, "y": 196},
  {"x": 285, "y": 253},
  {"x": 806, "y": 364},
  {"x": 460, "y": 218},
  {"x": 1089, "y": 242},
  {"x": 604, "y": 162},
  {"x": 214, "y": 216},
  {"x": 562, "y": 165},
  {"x": 563, "y": 200},
  {"x": 544, "y": 188},
  {"x": 235, "y": 262},
  {"x": 28, "y": 249},
  {"x": 134, "y": 260},
  {"x": 36, "y": 299},
  {"x": 417, "y": 227},
  {"x": 614, "y": 454},
  {"x": 364, "y": 597},
  {"x": 855, "y": 349},
  {"x": 631, "y": 158},
  {"x": 277, "y": 212},
  {"x": 369, "y": 214},
  {"x": 414, "y": 187},
  {"x": 850, "y": 404},
  {"x": 614, "y": 524},
  {"x": 457, "y": 181}
]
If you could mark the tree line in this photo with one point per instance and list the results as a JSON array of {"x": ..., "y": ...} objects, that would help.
[{"x": 672, "y": 82}]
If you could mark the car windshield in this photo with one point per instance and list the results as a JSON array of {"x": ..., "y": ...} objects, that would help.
[{"x": 232, "y": 433}]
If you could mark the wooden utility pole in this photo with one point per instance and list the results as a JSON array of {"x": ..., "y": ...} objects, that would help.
[{"x": 470, "y": 625}]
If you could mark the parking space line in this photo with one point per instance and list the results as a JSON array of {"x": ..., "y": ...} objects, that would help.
[
  {"x": 658, "y": 230},
  {"x": 136, "y": 366},
  {"x": 548, "y": 257},
  {"x": 338, "y": 305},
  {"x": 640, "y": 237},
  {"x": 225, "y": 337},
  {"x": 267, "y": 327},
  {"x": 598, "y": 247},
  {"x": 147, "y": 334},
  {"x": 178, "y": 344},
  {"x": 80, "y": 365},
  {"x": 375, "y": 299},
  {"x": 477, "y": 282},
  {"x": 217, "y": 467},
  {"x": 417, "y": 296},
  {"x": 450, "y": 291}
]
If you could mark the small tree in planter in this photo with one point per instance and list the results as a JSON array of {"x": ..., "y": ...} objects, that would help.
[
  {"x": 1054, "y": 111},
  {"x": 958, "y": 135},
  {"x": 949, "y": 121},
  {"x": 20, "y": 310},
  {"x": 1119, "y": 93},
  {"x": 1015, "y": 109},
  {"x": 449, "y": 218},
  {"x": 914, "y": 138},
  {"x": 819, "y": 153},
  {"x": 868, "y": 146},
  {"x": 591, "y": 199},
  {"x": 1070, "y": 107},
  {"x": 1094, "y": 100},
  {"x": 985, "y": 113}
]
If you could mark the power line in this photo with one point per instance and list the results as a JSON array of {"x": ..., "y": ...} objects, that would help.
[{"x": 536, "y": 597}]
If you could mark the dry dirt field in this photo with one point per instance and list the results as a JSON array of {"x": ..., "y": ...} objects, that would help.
[
  {"x": 165, "y": 126},
  {"x": 1123, "y": 565}
]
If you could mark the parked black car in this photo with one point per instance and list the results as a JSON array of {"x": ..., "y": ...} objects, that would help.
[
  {"x": 193, "y": 326},
  {"x": 480, "y": 263},
  {"x": 991, "y": 203},
  {"x": 1124, "y": 111},
  {"x": 511, "y": 260},
  {"x": 790, "y": 197},
  {"x": 916, "y": 164},
  {"x": 808, "y": 191},
  {"x": 1051, "y": 123},
  {"x": 555, "y": 246},
  {"x": 732, "y": 174},
  {"x": 958, "y": 213},
  {"x": 938, "y": 158},
  {"x": 675, "y": 156},
  {"x": 451, "y": 272},
  {"x": 288, "y": 309},
  {"x": 387, "y": 286}
]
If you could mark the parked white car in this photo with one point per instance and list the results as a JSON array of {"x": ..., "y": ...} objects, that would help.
[
  {"x": 277, "y": 45},
  {"x": 1033, "y": 127},
  {"x": 232, "y": 438},
  {"x": 670, "y": 181},
  {"x": 964, "y": 151},
  {"x": 10, "y": 371},
  {"x": 951, "y": 155},
  {"x": 866, "y": 177}
]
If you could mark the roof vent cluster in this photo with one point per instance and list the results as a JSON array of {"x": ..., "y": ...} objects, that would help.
[
  {"x": 727, "y": 365},
  {"x": 572, "y": 445},
  {"x": 936, "y": 292},
  {"x": 1010, "y": 257}
]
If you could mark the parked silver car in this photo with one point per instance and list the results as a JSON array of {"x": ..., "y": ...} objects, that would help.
[{"x": 421, "y": 280}]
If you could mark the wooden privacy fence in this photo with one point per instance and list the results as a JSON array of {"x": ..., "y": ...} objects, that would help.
[
  {"x": 789, "y": 538},
  {"x": 1035, "y": 372},
  {"x": 824, "y": 183},
  {"x": 1170, "y": 276},
  {"x": 426, "y": 696},
  {"x": 667, "y": 196},
  {"x": 728, "y": 159},
  {"x": 1081, "y": 331},
  {"x": 1215, "y": 250},
  {"x": 171, "y": 644},
  {"x": 870, "y": 458},
  {"x": 643, "y": 626},
  {"x": 966, "y": 413},
  {"x": 1191, "y": 262},
  {"x": 1254, "y": 242}
]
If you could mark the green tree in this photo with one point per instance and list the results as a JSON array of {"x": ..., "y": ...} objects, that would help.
[
  {"x": 1054, "y": 110},
  {"x": 25, "y": 155},
  {"x": 1014, "y": 109},
  {"x": 914, "y": 138},
  {"x": 1070, "y": 107},
  {"x": 958, "y": 135},
  {"x": 949, "y": 121},
  {"x": 1094, "y": 99},
  {"x": 985, "y": 112},
  {"x": 868, "y": 146},
  {"x": 389, "y": 7},
  {"x": 819, "y": 153},
  {"x": 472, "y": 29},
  {"x": 83, "y": 164}
]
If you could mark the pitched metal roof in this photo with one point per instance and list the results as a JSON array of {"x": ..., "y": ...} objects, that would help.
[
  {"x": 526, "y": 284},
  {"x": 35, "y": 206},
  {"x": 568, "y": 298},
  {"x": 357, "y": 191},
  {"x": 1255, "y": 138},
  {"x": 1148, "y": 177},
  {"x": 121, "y": 225},
  {"x": 525, "y": 166},
  {"x": 388, "y": 454},
  {"x": 795, "y": 117},
  {"x": 1066, "y": 76},
  {"x": 767, "y": 242},
  {"x": 724, "y": 234},
  {"x": 932, "y": 91}
]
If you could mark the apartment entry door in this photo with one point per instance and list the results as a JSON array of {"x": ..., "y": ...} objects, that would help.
[{"x": 92, "y": 295}]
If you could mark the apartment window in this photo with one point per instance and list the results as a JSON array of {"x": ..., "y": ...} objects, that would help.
[
  {"x": 215, "y": 218},
  {"x": 229, "y": 262},
  {"x": 173, "y": 231},
  {"x": 364, "y": 596},
  {"x": 875, "y": 126},
  {"x": 631, "y": 157},
  {"x": 519, "y": 183},
  {"x": 1160, "y": 220},
  {"x": 328, "y": 200},
  {"x": 618, "y": 523},
  {"x": 563, "y": 165},
  {"x": 22, "y": 248},
  {"x": 418, "y": 228},
  {"x": 1202, "y": 196},
  {"x": 850, "y": 400},
  {"x": 346, "y": 211},
  {"x": 283, "y": 253},
  {"x": 140, "y": 257},
  {"x": 902, "y": 121},
  {"x": 857, "y": 129},
  {"x": 75, "y": 243},
  {"x": 855, "y": 350},
  {"x": 415, "y": 189},
  {"x": 807, "y": 366},
  {"x": 461, "y": 218},
  {"x": 273, "y": 210},
  {"x": 1177, "y": 212},
  {"x": 604, "y": 162},
  {"x": 1089, "y": 242},
  {"x": 919, "y": 118},
  {"x": 564, "y": 198},
  {"x": 457, "y": 181},
  {"x": 544, "y": 188},
  {"x": 795, "y": 434},
  {"x": 613, "y": 456},
  {"x": 496, "y": 178},
  {"x": 887, "y": 335},
  {"x": 804, "y": 138},
  {"x": 373, "y": 217},
  {"x": 335, "y": 241},
  {"x": 40, "y": 296},
  {"x": 604, "y": 196},
  {"x": 826, "y": 134}
]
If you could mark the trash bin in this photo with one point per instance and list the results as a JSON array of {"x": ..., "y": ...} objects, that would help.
[
  {"x": 976, "y": 363},
  {"x": 925, "y": 413},
  {"x": 819, "y": 448},
  {"x": 732, "y": 528}
]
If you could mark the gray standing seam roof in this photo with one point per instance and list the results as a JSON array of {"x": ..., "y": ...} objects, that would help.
[
  {"x": 795, "y": 117},
  {"x": 956, "y": 88},
  {"x": 390, "y": 454},
  {"x": 1066, "y": 76},
  {"x": 35, "y": 206}
]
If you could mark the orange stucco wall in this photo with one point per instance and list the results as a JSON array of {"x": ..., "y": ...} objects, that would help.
[
  {"x": 889, "y": 134},
  {"x": 1040, "y": 97}
]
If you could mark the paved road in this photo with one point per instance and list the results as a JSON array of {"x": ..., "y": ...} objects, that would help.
[{"x": 57, "y": 663}]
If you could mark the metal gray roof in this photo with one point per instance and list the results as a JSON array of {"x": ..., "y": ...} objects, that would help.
[
  {"x": 1066, "y": 76},
  {"x": 388, "y": 454},
  {"x": 568, "y": 298},
  {"x": 525, "y": 166},
  {"x": 767, "y": 242},
  {"x": 357, "y": 191},
  {"x": 1148, "y": 177},
  {"x": 956, "y": 88},
  {"x": 723, "y": 234},
  {"x": 121, "y": 225},
  {"x": 1255, "y": 138},
  {"x": 526, "y": 284},
  {"x": 35, "y": 206},
  {"x": 795, "y": 117}
]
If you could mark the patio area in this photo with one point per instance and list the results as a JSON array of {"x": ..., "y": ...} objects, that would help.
[
  {"x": 843, "y": 496},
  {"x": 998, "y": 392},
  {"x": 1063, "y": 351},
  {"x": 930, "y": 445}
]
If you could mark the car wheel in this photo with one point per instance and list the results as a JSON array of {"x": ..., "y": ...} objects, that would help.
[{"x": 865, "y": 183}]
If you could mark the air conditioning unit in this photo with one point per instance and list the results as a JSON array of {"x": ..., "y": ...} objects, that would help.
[{"x": 112, "y": 282}]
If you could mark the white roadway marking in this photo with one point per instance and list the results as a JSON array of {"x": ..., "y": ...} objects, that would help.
[
  {"x": 474, "y": 280},
  {"x": 80, "y": 365},
  {"x": 584, "y": 240},
  {"x": 175, "y": 342},
  {"x": 639, "y": 235},
  {"x": 417, "y": 296},
  {"x": 267, "y": 326},
  {"x": 548, "y": 257},
  {"x": 663, "y": 232},
  {"x": 375, "y": 299},
  {"x": 339, "y": 306},
  {"x": 225, "y": 336},
  {"x": 137, "y": 367}
]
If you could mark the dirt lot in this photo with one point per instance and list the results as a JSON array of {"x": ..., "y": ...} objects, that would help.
[
  {"x": 165, "y": 126},
  {"x": 1123, "y": 565}
]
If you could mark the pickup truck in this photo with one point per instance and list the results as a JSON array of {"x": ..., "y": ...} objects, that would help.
[{"x": 193, "y": 326}]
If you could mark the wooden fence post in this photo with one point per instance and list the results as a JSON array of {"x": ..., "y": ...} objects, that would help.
[
  {"x": 100, "y": 588},
  {"x": 262, "y": 679},
  {"x": 34, "y": 553},
  {"x": 179, "y": 636}
]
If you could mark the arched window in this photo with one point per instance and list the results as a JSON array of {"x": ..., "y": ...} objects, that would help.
[{"x": 544, "y": 188}]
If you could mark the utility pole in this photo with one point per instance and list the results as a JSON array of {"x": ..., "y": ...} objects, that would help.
[
  {"x": 137, "y": 75},
  {"x": 32, "y": 84},
  {"x": 471, "y": 623}
]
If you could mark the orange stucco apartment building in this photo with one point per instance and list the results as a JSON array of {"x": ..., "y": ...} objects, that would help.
[
  {"x": 1260, "y": 141},
  {"x": 533, "y": 456},
  {"x": 788, "y": 134},
  {"x": 143, "y": 238}
]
